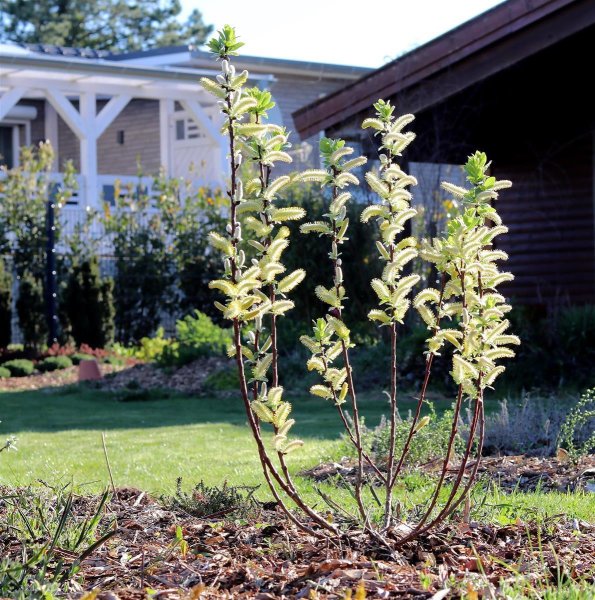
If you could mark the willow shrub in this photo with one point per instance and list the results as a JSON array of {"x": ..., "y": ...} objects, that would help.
[{"x": 257, "y": 290}]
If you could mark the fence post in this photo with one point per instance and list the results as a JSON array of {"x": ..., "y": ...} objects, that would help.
[{"x": 51, "y": 287}]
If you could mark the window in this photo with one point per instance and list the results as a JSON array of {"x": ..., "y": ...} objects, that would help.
[
  {"x": 433, "y": 204},
  {"x": 180, "y": 130},
  {"x": 7, "y": 149}
]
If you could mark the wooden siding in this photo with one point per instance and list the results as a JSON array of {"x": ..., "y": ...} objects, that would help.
[
  {"x": 551, "y": 229},
  {"x": 140, "y": 122}
]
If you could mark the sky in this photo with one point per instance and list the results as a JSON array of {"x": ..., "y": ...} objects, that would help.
[{"x": 337, "y": 31}]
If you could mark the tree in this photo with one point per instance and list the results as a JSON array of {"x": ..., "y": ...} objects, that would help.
[
  {"x": 114, "y": 25},
  {"x": 88, "y": 304},
  {"x": 5, "y": 305}
]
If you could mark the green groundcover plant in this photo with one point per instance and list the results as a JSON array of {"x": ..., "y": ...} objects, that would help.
[{"x": 256, "y": 288}]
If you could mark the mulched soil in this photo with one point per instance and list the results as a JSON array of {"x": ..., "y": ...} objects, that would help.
[
  {"x": 57, "y": 378},
  {"x": 269, "y": 558},
  {"x": 187, "y": 379},
  {"x": 522, "y": 473}
]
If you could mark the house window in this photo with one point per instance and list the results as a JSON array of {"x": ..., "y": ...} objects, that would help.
[
  {"x": 434, "y": 205},
  {"x": 180, "y": 130},
  {"x": 7, "y": 145}
]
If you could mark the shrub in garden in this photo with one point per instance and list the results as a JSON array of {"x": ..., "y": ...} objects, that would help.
[
  {"x": 54, "y": 363},
  {"x": 223, "y": 380},
  {"x": 24, "y": 194},
  {"x": 77, "y": 357},
  {"x": 205, "y": 500},
  {"x": 530, "y": 426},
  {"x": 5, "y": 305},
  {"x": 144, "y": 271},
  {"x": 198, "y": 331},
  {"x": 19, "y": 367},
  {"x": 4, "y": 373},
  {"x": 429, "y": 443},
  {"x": 151, "y": 349},
  {"x": 88, "y": 304},
  {"x": 577, "y": 434},
  {"x": 31, "y": 311},
  {"x": 114, "y": 360},
  {"x": 196, "y": 337},
  {"x": 559, "y": 342},
  {"x": 256, "y": 291},
  {"x": 189, "y": 215}
]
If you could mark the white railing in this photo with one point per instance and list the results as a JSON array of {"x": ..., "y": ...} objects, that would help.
[{"x": 107, "y": 185}]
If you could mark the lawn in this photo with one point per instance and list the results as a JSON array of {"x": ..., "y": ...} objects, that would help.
[
  {"x": 161, "y": 436},
  {"x": 149, "y": 442}
]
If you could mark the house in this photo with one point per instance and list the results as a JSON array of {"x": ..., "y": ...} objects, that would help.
[
  {"x": 108, "y": 112},
  {"x": 515, "y": 82}
]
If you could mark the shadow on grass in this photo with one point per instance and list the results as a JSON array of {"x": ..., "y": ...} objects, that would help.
[{"x": 82, "y": 407}]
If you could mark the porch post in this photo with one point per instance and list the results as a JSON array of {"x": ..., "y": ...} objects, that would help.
[
  {"x": 51, "y": 132},
  {"x": 165, "y": 159},
  {"x": 88, "y": 148}
]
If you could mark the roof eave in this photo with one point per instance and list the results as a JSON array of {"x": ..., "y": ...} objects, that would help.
[{"x": 484, "y": 33}]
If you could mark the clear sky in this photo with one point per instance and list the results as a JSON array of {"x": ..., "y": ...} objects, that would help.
[{"x": 337, "y": 31}]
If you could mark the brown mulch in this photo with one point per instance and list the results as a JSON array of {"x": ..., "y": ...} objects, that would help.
[
  {"x": 522, "y": 473},
  {"x": 267, "y": 557},
  {"x": 187, "y": 379},
  {"x": 57, "y": 378}
]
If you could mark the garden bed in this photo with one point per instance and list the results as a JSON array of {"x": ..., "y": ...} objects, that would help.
[
  {"x": 511, "y": 473},
  {"x": 148, "y": 376},
  {"x": 56, "y": 378},
  {"x": 187, "y": 379},
  {"x": 265, "y": 557}
]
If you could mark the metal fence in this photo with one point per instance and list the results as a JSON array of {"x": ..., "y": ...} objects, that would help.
[{"x": 57, "y": 257}]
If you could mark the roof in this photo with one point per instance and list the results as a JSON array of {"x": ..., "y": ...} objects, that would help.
[
  {"x": 24, "y": 58},
  {"x": 465, "y": 55},
  {"x": 191, "y": 57},
  {"x": 163, "y": 51},
  {"x": 275, "y": 66},
  {"x": 30, "y": 70},
  {"x": 54, "y": 50}
]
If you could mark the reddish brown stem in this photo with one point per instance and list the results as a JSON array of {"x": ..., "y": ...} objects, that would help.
[
  {"x": 449, "y": 507},
  {"x": 388, "y": 505},
  {"x": 267, "y": 466},
  {"x": 367, "y": 458},
  {"x": 423, "y": 392},
  {"x": 264, "y": 458}
]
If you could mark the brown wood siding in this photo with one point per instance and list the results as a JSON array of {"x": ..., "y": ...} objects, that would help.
[
  {"x": 551, "y": 229},
  {"x": 140, "y": 122}
]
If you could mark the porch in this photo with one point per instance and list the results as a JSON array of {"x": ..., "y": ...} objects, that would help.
[{"x": 106, "y": 117}]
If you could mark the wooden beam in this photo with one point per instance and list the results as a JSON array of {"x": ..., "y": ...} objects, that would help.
[
  {"x": 9, "y": 99},
  {"x": 150, "y": 91},
  {"x": 202, "y": 119},
  {"x": 109, "y": 112},
  {"x": 67, "y": 111}
]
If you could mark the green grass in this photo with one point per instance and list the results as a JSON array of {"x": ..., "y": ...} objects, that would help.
[
  {"x": 149, "y": 442},
  {"x": 152, "y": 442}
]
